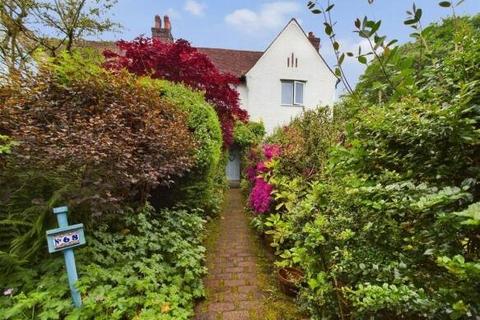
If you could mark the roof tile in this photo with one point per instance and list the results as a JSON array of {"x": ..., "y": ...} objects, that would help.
[{"x": 236, "y": 62}]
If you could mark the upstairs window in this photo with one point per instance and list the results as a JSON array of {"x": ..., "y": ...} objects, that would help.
[{"x": 292, "y": 92}]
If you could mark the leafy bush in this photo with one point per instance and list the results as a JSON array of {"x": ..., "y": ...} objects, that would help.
[
  {"x": 150, "y": 269},
  {"x": 387, "y": 225},
  {"x": 413, "y": 66},
  {"x": 248, "y": 134},
  {"x": 101, "y": 143},
  {"x": 199, "y": 188},
  {"x": 306, "y": 142},
  {"x": 108, "y": 130}
]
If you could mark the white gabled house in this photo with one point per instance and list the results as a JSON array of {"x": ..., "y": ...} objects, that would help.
[{"x": 277, "y": 84}]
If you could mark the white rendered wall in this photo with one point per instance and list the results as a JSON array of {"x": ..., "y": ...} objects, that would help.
[{"x": 261, "y": 96}]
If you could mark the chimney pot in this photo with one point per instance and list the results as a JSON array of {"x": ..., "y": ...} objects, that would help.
[
  {"x": 158, "y": 22},
  {"x": 167, "y": 23},
  {"x": 162, "y": 34},
  {"x": 314, "y": 40}
]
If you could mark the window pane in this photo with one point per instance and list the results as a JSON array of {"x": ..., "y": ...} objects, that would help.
[
  {"x": 299, "y": 92},
  {"x": 287, "y": 92}
]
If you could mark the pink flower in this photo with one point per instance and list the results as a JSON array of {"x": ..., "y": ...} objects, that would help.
[
  {"x": 271, "y": 151},
  {"x": 261, "y": 168},
  {"x": 261, "y": 196}
]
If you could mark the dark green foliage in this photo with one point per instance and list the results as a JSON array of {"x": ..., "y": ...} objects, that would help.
[
  {"x": 151, "y": 269},
  {"x": 410, "y": 68},
  {"x": 398, "y": 137},
  {"x": 248, "y": 134},
  {"x": 390, "y": 228},
  {"x": 25, "y": 212}
]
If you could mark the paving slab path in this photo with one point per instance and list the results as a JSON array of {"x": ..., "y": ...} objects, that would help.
[{"x": 235, "y": 284}]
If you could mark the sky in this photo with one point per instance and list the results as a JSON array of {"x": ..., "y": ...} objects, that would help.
[{"x": 253, "y": 24}]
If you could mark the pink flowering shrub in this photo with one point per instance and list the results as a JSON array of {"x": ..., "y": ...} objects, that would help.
[
  {"x": 261, "y": 168},
  {"x": 261, "y": 194},
  {"x": 251, "y": 173},
  {"x": 271, "y": 151}
]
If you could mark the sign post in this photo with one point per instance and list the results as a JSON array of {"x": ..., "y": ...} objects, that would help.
[{"x": 65, "y": 238}]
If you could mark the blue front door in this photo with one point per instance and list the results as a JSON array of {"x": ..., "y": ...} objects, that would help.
[{"x": 233, "y": 165}]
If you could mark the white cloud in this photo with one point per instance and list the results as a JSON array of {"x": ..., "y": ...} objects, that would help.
[
  {"x": 194, "y": 7},
  {"x": 270, "y": 16}
]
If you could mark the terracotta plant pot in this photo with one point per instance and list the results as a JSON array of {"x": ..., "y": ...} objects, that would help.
[{"x": 290, "y": 279}]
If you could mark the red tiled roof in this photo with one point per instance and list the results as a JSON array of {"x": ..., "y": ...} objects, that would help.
[{"x": 236, "y": 62}]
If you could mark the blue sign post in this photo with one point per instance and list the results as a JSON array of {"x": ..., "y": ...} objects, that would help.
[{"x": 65, "y": 238}]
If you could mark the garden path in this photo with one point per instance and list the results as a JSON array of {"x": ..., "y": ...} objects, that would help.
[{"x": 238, "y": 286}]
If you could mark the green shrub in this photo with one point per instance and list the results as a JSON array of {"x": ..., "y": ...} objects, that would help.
[
  {"x": 389, "y": 229},
  {"x": 200, "y": 188},
  {"x": 151, "y": 269},
  {"x": 306, "y": 142},
  {"x": 248, "y": 134}
]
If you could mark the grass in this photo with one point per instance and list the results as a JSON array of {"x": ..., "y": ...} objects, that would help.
[{"x": 278, "y": 306}]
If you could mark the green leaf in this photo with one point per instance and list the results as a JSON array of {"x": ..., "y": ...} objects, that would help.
[
  {"x": 316, "y": 11},
  {"x": 338, "y": 72},
  {"x": 392, "y": 42},
  {"x": 362, "y": 59},
  {"x": 328, "y": 29},
  {"x": 358, "y": 23},
  {"x": 445, "y": 4},
  {"x": 418, "y": 14},
  {"x": 410, "y": 21}
]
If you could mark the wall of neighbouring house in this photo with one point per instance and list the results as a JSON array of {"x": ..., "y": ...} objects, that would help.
[{"x": 261, "y": 96}]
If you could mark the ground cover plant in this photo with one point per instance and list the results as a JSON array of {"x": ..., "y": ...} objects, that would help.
[
  {"x": 379, "y": 204},
  {"x": 151, "y": 269}
]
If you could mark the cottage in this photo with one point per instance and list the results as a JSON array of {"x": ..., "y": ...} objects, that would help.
[{"x": 276, "y": 84}]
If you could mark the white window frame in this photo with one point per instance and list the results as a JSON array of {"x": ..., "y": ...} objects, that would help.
[{"x": 294, "y": 96}]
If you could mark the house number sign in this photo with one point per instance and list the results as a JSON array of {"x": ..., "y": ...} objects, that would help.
[{"x": 65, "y": 238}]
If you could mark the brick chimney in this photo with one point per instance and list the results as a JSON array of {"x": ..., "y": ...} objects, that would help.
[
  {"x": 163, "y": 34},
  {"x": 314, "y": 40}
]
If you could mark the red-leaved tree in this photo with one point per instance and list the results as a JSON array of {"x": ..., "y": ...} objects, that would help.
[{"x": 180, "y": 62}]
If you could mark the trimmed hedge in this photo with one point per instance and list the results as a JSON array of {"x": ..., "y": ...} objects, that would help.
[{"x": 202, "y": 187}]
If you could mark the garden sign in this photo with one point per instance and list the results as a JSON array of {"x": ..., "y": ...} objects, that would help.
[{"x": 65, "y": 238}]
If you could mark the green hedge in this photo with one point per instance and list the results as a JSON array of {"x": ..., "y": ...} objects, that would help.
[
  {"x": 203, "y": 186},
  {"x": 381, "y": 208}
]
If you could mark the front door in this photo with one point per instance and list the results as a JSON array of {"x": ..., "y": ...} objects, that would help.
[{"x": 233, "y": 167}]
